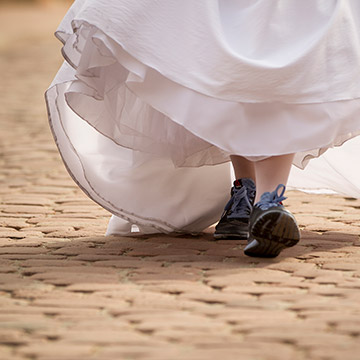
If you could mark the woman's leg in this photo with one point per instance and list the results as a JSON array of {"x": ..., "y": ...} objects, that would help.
[
  {"x": 243, "y": 167},
  {"x": 271, "y": 172}
]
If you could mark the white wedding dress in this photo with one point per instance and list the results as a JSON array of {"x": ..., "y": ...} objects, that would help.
[{"x": 154, "y": 95}]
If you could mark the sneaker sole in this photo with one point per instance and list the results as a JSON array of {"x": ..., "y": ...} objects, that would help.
[
  {"x": 272, "y": 232},
  {"x": 236, "y": 236}
]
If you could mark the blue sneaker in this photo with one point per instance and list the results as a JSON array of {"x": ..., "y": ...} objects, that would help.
[
  {"x": 272, "y": 228},
  {"x": 234, "y": 223}
]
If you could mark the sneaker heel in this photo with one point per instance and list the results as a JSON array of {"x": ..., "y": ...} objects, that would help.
[{"x": 263, "y": 248}]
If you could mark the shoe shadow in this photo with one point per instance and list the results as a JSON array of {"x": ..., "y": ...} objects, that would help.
[
  {"x": 163, "y": 257},
  {"x": 166, "y": 271}
]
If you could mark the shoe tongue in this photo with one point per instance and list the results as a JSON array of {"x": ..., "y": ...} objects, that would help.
[{"x": 249, "y": 183}]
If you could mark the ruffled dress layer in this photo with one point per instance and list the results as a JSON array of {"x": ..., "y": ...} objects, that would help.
[{"x": 154, "y": 96}]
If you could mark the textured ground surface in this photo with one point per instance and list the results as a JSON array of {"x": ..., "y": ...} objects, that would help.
[{"x": 67, "y": 292}]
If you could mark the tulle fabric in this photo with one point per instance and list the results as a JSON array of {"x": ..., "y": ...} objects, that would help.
[{"x": 153, "y": 147}]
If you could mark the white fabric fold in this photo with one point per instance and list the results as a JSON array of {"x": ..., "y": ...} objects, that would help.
[{"x": 139, "y": 114}]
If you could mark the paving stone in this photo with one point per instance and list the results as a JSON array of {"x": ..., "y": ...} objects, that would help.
[
  {"x": 52, "y": 229},
  {"x": 22, "y": 250},
  {"x": 179, "y": 287},
  {"x": 217, "y": 297},
  {"x": 106, "y": 337},
  {"x": 26, "y": 200},
  {"x": 11, "y": 233},
  {"x": 49, "y": 190},
  {"x": 57, "y": 262},
  {"x": 17, "y": 209},
  {"x": 324, "y": 353},
  {"x": 7, "y": 269},
  {"x": 154, "y": 251},
  {"x": 74, "y": 302},
  {"x": 64, "y": 279},
  {"x": 13, "y": 223},
  {"x": 187, "y": 258},
  {"x": 129, "y": 263},
  {"x": 48, "y": 350}
]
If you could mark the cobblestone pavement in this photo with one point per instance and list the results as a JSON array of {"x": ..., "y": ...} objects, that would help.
[{"x": 68, "y": 292}]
